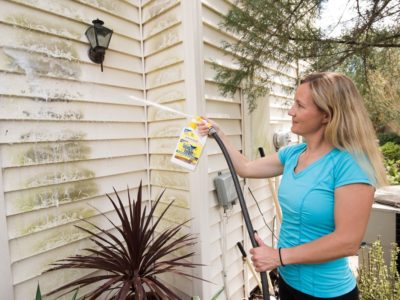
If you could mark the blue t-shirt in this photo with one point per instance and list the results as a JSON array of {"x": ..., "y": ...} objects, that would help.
[{"x": 307, "y": 202}]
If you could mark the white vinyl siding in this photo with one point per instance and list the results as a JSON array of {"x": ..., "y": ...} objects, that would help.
[{"x": 69, "y": 133}]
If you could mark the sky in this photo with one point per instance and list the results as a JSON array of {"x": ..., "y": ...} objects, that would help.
[
  {"x": 334, "y": 10},
  {"x": 344, "y": 10}
]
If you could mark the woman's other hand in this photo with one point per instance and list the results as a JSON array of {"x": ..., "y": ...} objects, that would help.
[{"x": 264, "y": 258}]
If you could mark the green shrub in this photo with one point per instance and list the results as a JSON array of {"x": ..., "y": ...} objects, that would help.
[
  {"x": 388, "y": 137},
  {"x": 376, "y": 281},
  {"x": 392, "y": 171},
  {"x": 391, "y": 151},
  {"x": 391, "y": 156}
]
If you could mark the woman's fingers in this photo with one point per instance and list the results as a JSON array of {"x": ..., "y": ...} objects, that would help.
[
  {"x": 204, "y": 126},
  {"x": 259, "y": 241}
]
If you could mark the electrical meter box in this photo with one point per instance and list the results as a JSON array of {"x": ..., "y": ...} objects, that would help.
[{"x": 226, "y": 191}]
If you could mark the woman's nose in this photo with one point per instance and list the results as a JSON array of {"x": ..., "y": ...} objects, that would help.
[{"x": 291, "y": 111}]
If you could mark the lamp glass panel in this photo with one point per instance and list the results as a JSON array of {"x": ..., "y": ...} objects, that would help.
[
  {"x": 90, "y": 34},
  {"x": 104, "y": 36}
]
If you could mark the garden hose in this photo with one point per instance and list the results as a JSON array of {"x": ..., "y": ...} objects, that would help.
[{"x": 243, "y": 206}]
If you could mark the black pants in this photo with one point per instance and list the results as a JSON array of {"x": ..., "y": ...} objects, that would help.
[{"x": 286, "y": 292}]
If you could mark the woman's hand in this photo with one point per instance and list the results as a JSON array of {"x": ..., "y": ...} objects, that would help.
[
  {"x": 204, "y": 125},
  {"x": 264, "y": 258}
]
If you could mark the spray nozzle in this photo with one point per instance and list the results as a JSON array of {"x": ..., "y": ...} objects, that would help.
[
  {"x": 193, "y": 124},
  {"x": 194, "y": 121}
]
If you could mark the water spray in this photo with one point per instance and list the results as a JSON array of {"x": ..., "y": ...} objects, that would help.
[{"x": 163, "y": 107}]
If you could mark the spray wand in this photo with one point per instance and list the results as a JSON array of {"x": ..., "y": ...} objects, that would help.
[{"x": 243, "y": 206}]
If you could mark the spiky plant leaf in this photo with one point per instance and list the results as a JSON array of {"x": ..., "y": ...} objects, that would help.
[
  {"x": 133, "y": 256},
  {"x": 75, "y": 296},
  {"x": 38, "y": 293}
]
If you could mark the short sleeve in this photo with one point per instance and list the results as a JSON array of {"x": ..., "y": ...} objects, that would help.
[
  {"x": 348, "y": 171},
  {"x": 286, "y": 152}
]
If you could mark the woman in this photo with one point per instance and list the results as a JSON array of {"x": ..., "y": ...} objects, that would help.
[{"x": 326, "y": 192}]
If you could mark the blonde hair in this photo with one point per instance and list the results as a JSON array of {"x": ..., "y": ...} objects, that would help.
[{"x": 349, "y": 127}]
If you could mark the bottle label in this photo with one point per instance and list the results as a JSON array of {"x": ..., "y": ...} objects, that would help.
[{"x": 188, "y": 149}]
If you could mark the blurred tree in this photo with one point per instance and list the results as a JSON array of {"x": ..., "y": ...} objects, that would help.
[
  {"x": 377, "y": 77},
  {"x": 282, "y": 32}
]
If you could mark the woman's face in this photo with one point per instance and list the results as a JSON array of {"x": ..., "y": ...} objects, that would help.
[{"x": 307, "y": 118}]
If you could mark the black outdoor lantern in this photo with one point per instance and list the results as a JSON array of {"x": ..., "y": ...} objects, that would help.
[{"x": 99, "y": 38}]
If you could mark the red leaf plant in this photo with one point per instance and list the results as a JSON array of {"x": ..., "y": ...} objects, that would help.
[{"x": 133, "y": 257}]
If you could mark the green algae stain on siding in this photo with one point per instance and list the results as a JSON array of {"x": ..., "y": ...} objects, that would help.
[
  {"x": 49, "y": 113},
  {"x": 111, "y": 6},
  {"x": 157, "y": 7},
  {"x": 61, "y": 237},
  {"x": 53, "y": 196},
  {"x": 53, "y": 220},
  {"x": 58, "y": 177},
  {"x": 58, "y": 7},
  {"x": 180, "y": 199},
  {"x": 169, "y": 179},
  {"x": 164, "y": 76},
  {"x": 50, "y": 47},
  {"x": 164, "y": 225},
  {"x": 32, "y": 23},
  {"x": 65, "y": 134},
  {"x": 164, "y": 40},
  {"x": 53, "y": 152},
  {"x": 170, "y": 95},
  {"x": 155, "y": 114},
  {"x": 167, "y": 61},
  {"x": 42, "y": 64},
  {"x": 55, "y": 67},
  {"x": 166, "y": 131},
  {"x": 174, "y": 214}
]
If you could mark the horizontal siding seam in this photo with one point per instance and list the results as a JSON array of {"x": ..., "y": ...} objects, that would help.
[
  {"x": 110, "y": 12},
  {"x": 71, "y": 161},
  {"x": 68, "y": 140},
  {"x": 84, "y": 199},
  {"x": 154, "y": 34},
  {"x": 31, "y": 6},
  {"x": 73, "y": 79},
  {"x": 162, "y": 67},
  {"x": 164, "y": 84},
  {"x": 72, "y": 181},
  {"x": 146, "y": 56}
]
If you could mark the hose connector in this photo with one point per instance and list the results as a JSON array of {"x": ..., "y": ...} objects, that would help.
[{"x": 212, "y": 131}]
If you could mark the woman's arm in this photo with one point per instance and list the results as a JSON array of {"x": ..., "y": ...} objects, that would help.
[
  {"x": 265, "y": 167},
  {"x": 353, "y": 204}
]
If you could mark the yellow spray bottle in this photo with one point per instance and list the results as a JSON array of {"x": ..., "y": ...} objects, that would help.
[{"x": 190, "y": 146}]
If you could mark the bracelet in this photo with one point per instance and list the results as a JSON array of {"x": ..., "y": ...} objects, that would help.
[{"x": 280, "y": 257}]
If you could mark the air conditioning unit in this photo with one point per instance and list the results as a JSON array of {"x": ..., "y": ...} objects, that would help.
[{"x": 384, "y": 222}]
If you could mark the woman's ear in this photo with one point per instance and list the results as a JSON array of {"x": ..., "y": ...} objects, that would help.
[{"x": 326, "y": 118}]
